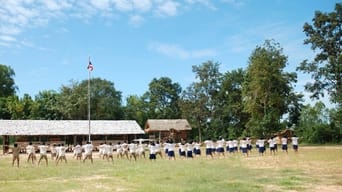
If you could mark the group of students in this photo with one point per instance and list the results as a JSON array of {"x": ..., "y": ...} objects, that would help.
[
  {"x": 245, "y": 146},
  {"x": 133, "y": 150},
  {"x": 58, "y": 153}
]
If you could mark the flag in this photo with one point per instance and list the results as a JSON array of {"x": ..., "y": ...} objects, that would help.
[{"x": 90, "y": 66}]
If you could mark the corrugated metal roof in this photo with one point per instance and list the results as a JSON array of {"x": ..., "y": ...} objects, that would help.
[
  {"x": 69, "y": 127},
  {"x": 166, "y": 124}
]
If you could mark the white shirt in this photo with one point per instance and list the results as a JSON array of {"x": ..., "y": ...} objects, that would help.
[
  {"x": 43, "y": 149},
  {"x": 208, "y": 144},
  {"x": 132, "y": 147},
  {"x": 152, "y": 149},
  {"x": 294, "y": 140},
  {"x": 220, "y": 143},
  {"x": 61, "y": 151},
  {"x": 271, "y": 143},
  {"x": 171, "y": 146},
  {"x": 261, "y": 143},
  {"x": 78, "y": 149},
  {"x": 243, "y": 143},
  {"x": 30, "y": 149},
  {"x": 284, "y": 141},
  {"x": 88, "y": 149},
  {"x": 189, "y": 147}
]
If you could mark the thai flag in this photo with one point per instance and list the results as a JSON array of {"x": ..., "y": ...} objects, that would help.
[{"x": 90, "y": 66}]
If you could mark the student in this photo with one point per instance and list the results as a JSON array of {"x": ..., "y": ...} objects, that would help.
[
  {"x": 208, "y": 147},
  {"x": 189, "y": 149},
  {"x": 261, "y": 144},
  {"x": 171, "y": 150},
  {"x": 197, "y": 148},
  {"x": 132, "y": 151},
  {"x": 53, "y": 151},
  {"x": 124, "y": 151},
  {"x": 31, "y": 153},
  {"x": 61, "y": 153},
  {"x": 220, "y": 147},
  {"x": 182, "y": 152},
  {"x": 152, "y": 149},
  {"x": 78, "y": 151},
  {"x": 284, "y": 144},
  {"x": 159, "y": 149},
  {"x": 118, "y": 150},
  {"x": 141, "y": 150},
  {"x": 104, "y": 150},
  {"x": 101, "y": 149},
  {"x": 243, "y": 145},
  {"x": 15, "y": 154},
  {"x": 271, "y": 144},
  {"x": 88, "y": 151},
  {"x": 230, "y": 146},
  {"x": 109, "y": 150},
  {"x": 43, "y": 153},
  {"x": 295, "y": 143}
]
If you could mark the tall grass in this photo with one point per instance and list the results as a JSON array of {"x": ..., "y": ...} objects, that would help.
[{"x": 309, "y": 170}]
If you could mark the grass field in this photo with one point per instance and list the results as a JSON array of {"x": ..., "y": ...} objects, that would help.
[{"x": 315, "y": 168}]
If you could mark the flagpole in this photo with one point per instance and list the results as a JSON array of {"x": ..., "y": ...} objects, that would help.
[{"x": 89, "y": 71}]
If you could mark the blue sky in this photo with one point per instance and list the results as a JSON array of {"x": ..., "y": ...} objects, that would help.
[{"x": 130, "y": 42}]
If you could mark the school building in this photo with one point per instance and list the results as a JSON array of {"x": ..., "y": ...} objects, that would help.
[
  {"x": 163, "y": 129},
  {"x": 68, "y": 132}
]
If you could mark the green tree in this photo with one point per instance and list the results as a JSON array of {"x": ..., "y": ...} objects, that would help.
[
  {"x": 163, "y": 96},
  {"x": 7, "y": 83},
  {"x": 324, "y": 35},
  {"x": 105, "y": 100},
  {"x": 47, "y": 106},
  {"x": 20, "y": 108},
  {"x": 198, "y": 103},
  {"x": 315, "y": 125},
  {"x": 230, "y": 104},
  {"x": 266, "y": 89},
  {"x": 8, "y": 89},
  {"x": 136, "y": 109}
]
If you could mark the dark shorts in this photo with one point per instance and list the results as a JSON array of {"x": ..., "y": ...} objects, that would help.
[
  {"x": 208, "y": 151},
  {"x": 284, "y": 147},
  {"x": 295, "y": 147},
  {"x": 220, "y": 150},
  {"x": 244, "y": 150},
  {"x": 153, "y": 156},
  {"x": 231, "y": 150},
  {"x": 189, "y": 154},
  {"x": 171, "y": 153},
  {"x": 261, "y": 149},
  {"x": 197, "y": 151},
  {"x": 182, "y": 153}
]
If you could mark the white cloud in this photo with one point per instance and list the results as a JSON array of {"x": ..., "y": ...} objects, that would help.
[
  {"x": 176, "y": 51},
  {"x": 18, "y": 16},
  {"x": 136, "y": 20},
  {"x": 167, "y": 8},
  {"x": 123, "y": 5},
  {"x": 101, "y": 4},
  {"x": 7, "y": 38},
  {"x": 142, "y": 5}
]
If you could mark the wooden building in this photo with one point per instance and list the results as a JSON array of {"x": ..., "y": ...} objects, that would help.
[
  {"x": 163, "y": 129},
  {"x": 68, "y": 131}
]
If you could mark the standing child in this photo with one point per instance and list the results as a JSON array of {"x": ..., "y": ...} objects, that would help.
[
  {"x": 152, "y": 148},
  {"x": 88, "y": 152},
  {"x": 295, "y": 143},
  {"x": 15, "y": 153},
  {"x": 31, "y": 153},
  {"x": 43, "y": 153},
  {"x": 261, "y": 144},
  {"x": 284, "y": 144}
]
